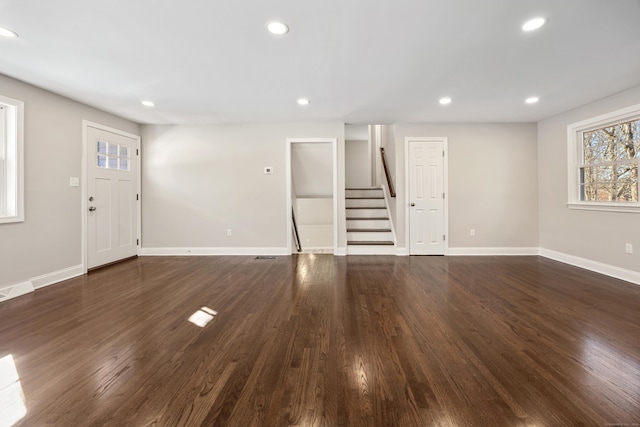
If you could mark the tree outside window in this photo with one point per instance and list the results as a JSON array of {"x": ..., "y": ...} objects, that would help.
[{"x": 610, "y": 157}]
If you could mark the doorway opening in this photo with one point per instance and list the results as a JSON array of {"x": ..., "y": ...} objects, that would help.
[{"x": 312, "y": 194}]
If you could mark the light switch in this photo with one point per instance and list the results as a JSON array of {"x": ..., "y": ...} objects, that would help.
[{"x": 74, "y": 182}]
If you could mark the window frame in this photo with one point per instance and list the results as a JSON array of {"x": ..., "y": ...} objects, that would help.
[
  {"x": 118, "y": 156},
  {"x": 575, "y": 156},
  {"x": 12, "y": 153}
]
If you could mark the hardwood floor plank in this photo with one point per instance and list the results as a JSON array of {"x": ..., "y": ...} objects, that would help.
[{"x": 317, "y": 340}]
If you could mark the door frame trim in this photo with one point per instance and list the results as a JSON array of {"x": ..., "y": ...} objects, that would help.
[
  {"x": 445, "y": 172},
  {"x": 84, "y": 179},
  {"x": 289, "y": 177}
]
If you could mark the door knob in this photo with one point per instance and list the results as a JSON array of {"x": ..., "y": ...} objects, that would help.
[
  {"x": 92, "y": 208},
  {"x": 413, "y": 204}
]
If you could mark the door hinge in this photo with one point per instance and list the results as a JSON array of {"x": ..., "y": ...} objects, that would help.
[
  {"x": 442, "y": 153},
  {"x": 137, "y": 152},
  {"x": 137, "y": 197},
  {"x": 444, "y": 237},
  {"x": 137, "y": 242},
  {"x": 443, "y": 195}
]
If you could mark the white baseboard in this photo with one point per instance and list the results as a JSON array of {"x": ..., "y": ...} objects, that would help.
[
  {"x": 340, "y": 252},
  {"x": 402, "y": 252},
  {"x": 16, "y": 290},
  {"x": 319, "y": 250},
  {"x": 22, "y": 288},
  {"x": 57, "y": 276},
  {"x": 493, "y": 251},
  {"x": 598, "y": 267},
  {"x": 212, "y": 251},
  {"x": 371, "y": 250}
]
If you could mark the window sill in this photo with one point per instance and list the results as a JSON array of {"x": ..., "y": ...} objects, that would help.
[
  {"x": 10, "y": 219},
  {"x": 606, "y": 207}
]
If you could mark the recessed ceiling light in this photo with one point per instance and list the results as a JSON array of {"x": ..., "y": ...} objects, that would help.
[
  {"x": 4, "y": 32},
  {"x": 532, "y": 100},
  {"x": 445, "y": 101},
  {"x": 303, "y": 101},
  {"x": 278, "y": 28},
  {"x": 534, "y": 24},
  {"x": 148, "y": 103}
]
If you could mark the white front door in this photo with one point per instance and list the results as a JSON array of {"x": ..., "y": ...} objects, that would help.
[
  {"x": 426, "y": 197},
  {"x": 112, "y": 191}
]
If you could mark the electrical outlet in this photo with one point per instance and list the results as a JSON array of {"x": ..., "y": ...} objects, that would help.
[
  {"x": 228, "y": 232},
  {"x": 628, "y": 248},
  {"x": 472, "y": 232}
]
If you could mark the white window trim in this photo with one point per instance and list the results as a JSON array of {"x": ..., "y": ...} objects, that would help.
[
  {"x": 14, "y": 146},
  {"x": 574, "y": 149}
]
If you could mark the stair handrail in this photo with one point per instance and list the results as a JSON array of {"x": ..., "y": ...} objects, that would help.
[
  {"x": 392, "y": 191},
  {"x": 295, "y": 230}
]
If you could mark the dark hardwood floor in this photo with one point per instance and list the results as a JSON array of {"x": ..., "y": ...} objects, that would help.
[{"x": 326, "y": 341}]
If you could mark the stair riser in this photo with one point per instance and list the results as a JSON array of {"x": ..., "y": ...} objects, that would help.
[
  {"x": 357, "y": 203},
  {"x": 364, "y": 223},
  {"x": 366, "y": 213},
  {"x": 371, "y": 250},
  {"x": 367, "y": 236},
  {"x": 364, "y": 193}
]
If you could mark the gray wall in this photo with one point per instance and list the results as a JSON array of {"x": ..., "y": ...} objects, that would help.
[
  {"x": 49, "y": 239},
  {"x": 507, "y": 181},
  {"x": 596, "y": 236},
  {"x": 199, "y": 181},
  {"x": 357, "y": 165},
  {"x": 356, "y": 132},
  {"x": 312, "y": 169},
  {"x": 493, "y": 183}
]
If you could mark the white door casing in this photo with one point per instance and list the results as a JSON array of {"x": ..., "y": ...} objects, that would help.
[
  {"x": 426, "y": 197},
  {"x": 111, "y": 200}
]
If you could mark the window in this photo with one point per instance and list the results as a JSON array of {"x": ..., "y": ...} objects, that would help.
[
  {"x": 11, "y": 160},
  {"x": 112, "y": 156},
  {"x": 604, "y": 155}
]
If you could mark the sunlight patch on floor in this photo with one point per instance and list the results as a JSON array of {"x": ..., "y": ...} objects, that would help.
[
  {"x": 11, "y": 396},
  {"x": 202, "y": 317}
]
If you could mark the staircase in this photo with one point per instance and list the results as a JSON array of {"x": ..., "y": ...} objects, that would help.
[{"x": 369, "y": 229}]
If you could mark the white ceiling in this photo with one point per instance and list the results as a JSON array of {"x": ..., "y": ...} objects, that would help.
[{"x": 358, "y": 61}]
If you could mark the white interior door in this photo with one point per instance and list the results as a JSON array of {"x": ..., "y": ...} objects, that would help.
[
  {"x": 112, "y": 191},
  {"x": 426, "y": 197}
]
